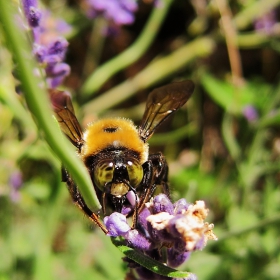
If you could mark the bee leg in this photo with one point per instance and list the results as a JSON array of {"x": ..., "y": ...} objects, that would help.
[
  {"x": 79, "y": 201},
  {"x": 146, "y": 184},
  {"x": 103, "y": 203},
  {"x": 160, "y": 168},
  {"x": 155, "y": 173}
]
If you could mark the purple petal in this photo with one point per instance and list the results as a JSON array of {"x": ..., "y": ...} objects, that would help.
[
  {"x": 120, "y": 12},
  {"x": 142, "y": 218},
  {"x": 51, "y": 60},
  {"x": 137, "y": 240},
  {"x": 162, "y": 203},
  {"x": 200, "y": 244},
  {"x": 126, "y": 210},
  {"x": 116, "y": 224},
  {"x": 129, "y": 5},
  {"x": 54, "y": 82},
  {"x": 123, "y": 18},
  {"x": 175, "y": 258},
  {"x": 250, "y": 113},
  {"x": 160, "y": 236},
  {"x": 32, "y": 13},
  {"x": 40, "y": 52},
  {"x": 15, "y": 182},
  {"x": 180, "y": 206},
  {"x": 56, "y": 74},
  {"x": 59, "y": 69},
  {"x": 63, "y": 27},
  {"x": 266, "y": 22},
  {"x": 58, "y": 47},
  {"x": 172, "y": 226}
]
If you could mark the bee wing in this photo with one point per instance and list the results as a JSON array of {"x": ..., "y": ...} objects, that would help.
[
  {"x": 161, "y": 103},
  {"x": 65, "y": 115}
]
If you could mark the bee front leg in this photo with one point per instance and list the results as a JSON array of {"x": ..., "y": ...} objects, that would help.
[
  {"x": 79, "y": 201},
  {"x": 155, "y": 174},
  {"x": 160, "y": 169}
]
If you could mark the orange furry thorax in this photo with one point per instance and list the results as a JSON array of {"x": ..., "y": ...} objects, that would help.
[{"x": 116, "y": 132}]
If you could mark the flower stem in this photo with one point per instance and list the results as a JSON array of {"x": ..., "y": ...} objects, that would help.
[
  {"x": 38, "y": 102},
  {"x": 154, "y": 72},
  {"x": 130, "y": 55}
]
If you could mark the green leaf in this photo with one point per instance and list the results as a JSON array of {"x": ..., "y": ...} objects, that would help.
[
  {"x": 231, "y": 98},
  {"x": 271, "y": 119},
  {"x": 148, "y": 262}
]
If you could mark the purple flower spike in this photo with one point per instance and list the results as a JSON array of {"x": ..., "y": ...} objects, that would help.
[
  {"x": 116, "y": 224},
  {"x": 250, "y": 113},
  {"x": 15, "y": 182},
  {"x": 32, "y": 14},
  {"x": 266, "y": 23},
  {"x": 49, "y": 47},
  {"x": 118, "y": 11},
  {"x": 179, "y": 228}
]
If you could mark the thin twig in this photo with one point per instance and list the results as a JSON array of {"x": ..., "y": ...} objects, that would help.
[{"x": 231, "y": 41}]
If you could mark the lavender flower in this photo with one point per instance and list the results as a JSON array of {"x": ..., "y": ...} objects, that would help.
[
  {"x": 179, "y": 227},
  {"x": 32, "y": 14},
  {"x": 250, "y": 113},
  {"x": 120, "y": 12},
  {"x": 15, "y": 183},
  {"x": 116, "y": 224},
  {"x": 49, "y": 47},
  {"x": 266, "y": 22}
]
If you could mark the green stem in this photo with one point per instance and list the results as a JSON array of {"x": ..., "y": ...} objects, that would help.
[
  {"x": 260, "y": 225},
  {"x": 251, "y": 40},
  {"x": 156, "y": 71},
  {"x": 130, "y": 55},
  {"x": 175, "y": 135},
  {"x": 254, "y": 11},
  {"x": 95, "y": 47},
  {"x": 250, "y": 171},
  {"x": 39, "y": 104},
  {"x": 50, "y": 222},
  {"x": 229, "y": 137},
  {"x": 12, "y": 100}
]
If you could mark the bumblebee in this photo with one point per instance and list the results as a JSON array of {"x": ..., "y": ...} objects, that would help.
[{"x": 116, "y": 152}]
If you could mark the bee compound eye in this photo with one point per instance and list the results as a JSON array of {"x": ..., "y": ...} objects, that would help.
[
  {"x": 135, "y": 172},
  {"x": 103, "y": 173}
]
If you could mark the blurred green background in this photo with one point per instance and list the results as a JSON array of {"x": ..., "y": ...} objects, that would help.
[{"x": 222, "y": 147}]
